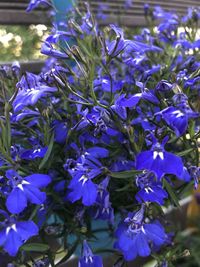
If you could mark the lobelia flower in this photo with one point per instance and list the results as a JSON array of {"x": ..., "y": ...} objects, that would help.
[
  {"x": 158, "y": 160},
  {"x": 144, "y": 118},
  {"x": 104, "y": 83},
  {"x": 48, "y": 50},
  {"x": 24, "y": 114},
  {"x": 115, "y": 47},
  {"x": 134, "y": 236},
  {"x": 16, "y": 68},
  {"x": 178, "y": 117},
  {"x": 31, "y": 154},
  {"x": 150, "y": 189},
  {"x": 87, "y": 22},
  {"x": 98, "y": 118},
  {"x": 195, "y": 175},
  {"x": 88, "y": 259},
  {"x": 14, "y": 233},
  {"x": 87, "y": 168},
  {"x": 103, "y": 209},
  {"x": 132, "y": 101},
  {"x": 164, "y": 86},
  {"x": 34, "y": 3},
  {"x": 60, "y": 131},
  {"x": 25, "y": 189},
  {"x": 30, "y": 91}
]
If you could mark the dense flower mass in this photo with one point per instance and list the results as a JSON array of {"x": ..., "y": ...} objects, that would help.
[{"x": 106, "y": 135}]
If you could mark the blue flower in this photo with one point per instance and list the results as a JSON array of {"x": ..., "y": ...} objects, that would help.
[
  {"x": 178, "y": 117},
  {"x": 134, "y": 236},
  {"x": 159, "y": 161},
  {"x": 86, "y": 169},
  {"x": 24, "y": 114},
  {"x": 25, "y": 189},
  {"x": 164, "y": 86},
  {"x": 30, "y": 91},
  {"x": 31, "y": 154},
  {"x": 115, "y": 47},
  {"x": 61, "y": 131},
  {"x": 14, "y": 234},
  {"x": 103, "y": 209},
  {"x": 48, "y": 50},
  {"x": 150, "y": 189},
  {"x": 34, "y": 3},
  {"x": 89, "y": 259}
]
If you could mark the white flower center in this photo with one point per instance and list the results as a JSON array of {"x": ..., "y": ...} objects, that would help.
[
  {"x": 13, "y": 226},
  {"x": 20, "y": 186},
  {"x": 178, "y": 113},
  {"x": 84, "y": 179},
  {"x": 158, "y": 154}
]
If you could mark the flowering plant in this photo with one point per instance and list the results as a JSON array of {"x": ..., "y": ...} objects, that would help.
[{"x": 108, "y": 131}]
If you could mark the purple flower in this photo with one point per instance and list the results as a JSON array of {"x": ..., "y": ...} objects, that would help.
[
  {"x": 115, "y": 47},
  {"x": 134, "y": 236},
  {"x": 24, "y": 114},
  {"x": 164, "y": 86},
  {"x": 103, "y": 209},
  {"x": 30, "y": 91},
  {"x": 32, "y": 154},
  {"x": 87, "y": 168},
  {"x": 14, "y": 234},
  {"x": 60, "y": 130},
  {"x": 150, "y": 189},
  {"x": 48, "y": 49},
  {"x": 34, "y": 3},
  {"x": 89, "y": 259},
  {"x": 25, "y": 189},
  {"x": 159, "y": 161},
  {"x": 178, "y": 117}
]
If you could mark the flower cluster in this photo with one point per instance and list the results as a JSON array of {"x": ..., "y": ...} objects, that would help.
[{"x": 107, "y": 131}]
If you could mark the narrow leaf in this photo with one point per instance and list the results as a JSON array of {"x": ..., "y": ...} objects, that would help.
[
  {"x": 48, "y": 153},
  {"x": 185, "y": 152},
  {"x": 125, "y": 174},
  {"x": 36, "y": 247},
  {"x": 171, "y": 193}
]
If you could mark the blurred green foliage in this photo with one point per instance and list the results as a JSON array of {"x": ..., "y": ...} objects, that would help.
[{"x": 21, "y": 42}]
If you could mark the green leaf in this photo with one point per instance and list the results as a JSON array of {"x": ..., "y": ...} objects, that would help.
[
  {"x": 36, "y": 247},
  {"x": 7, "y": 126},
  {"x": 192, "y": 128},
  {"x": 185, "y": 152},
  {"x": 125, "y": 174},
  {"x": 171, "y": 193},
  {"x": 124, "y": 188},
  {"x": 48, "y": 153}
]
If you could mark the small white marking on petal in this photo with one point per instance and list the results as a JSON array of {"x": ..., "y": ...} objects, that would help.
[
  {"x": 178, "y": 113},
  {"x": 161, "y": 155},
  {"x": 20, "y": 187},
  {"x": 84, "y": 179},
  {"x": 8, "y": 230},
  {"x": 13, "y": 226},
  {"x": 142, "y": 228},
  {"x": 146, "y": 190},
  {"x": 155, "y": 154},
  {"x": 25, "y": 182}
]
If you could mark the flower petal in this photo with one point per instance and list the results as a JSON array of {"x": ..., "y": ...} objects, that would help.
[
  {"x": 16, "y": 201},
  {"x": 38, "y": 180},
  {"x": 13, "y": 242}
]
